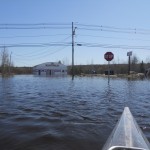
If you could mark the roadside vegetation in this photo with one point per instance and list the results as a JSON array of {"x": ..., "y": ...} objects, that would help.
[
  {"x": 6, "y": 65},
  {"x": 116, "y": 68},
  {"x": 7, "y": 68}
]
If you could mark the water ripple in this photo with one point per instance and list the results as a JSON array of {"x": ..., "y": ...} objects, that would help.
[{"x": 61, "y": 114}]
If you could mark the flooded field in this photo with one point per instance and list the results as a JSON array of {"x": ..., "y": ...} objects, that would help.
[{"x": 56, "y": 113}]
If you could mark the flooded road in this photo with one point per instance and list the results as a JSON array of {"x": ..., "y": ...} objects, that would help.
[{"x": 56, "y": 113}]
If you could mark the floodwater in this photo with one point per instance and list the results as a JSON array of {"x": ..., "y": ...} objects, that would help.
[{"x": 56, "y": 113}]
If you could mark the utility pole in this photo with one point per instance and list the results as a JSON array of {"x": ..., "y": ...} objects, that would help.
[
  {"x": 129, "y": 54},
  {"x": 73, "y": 34}
]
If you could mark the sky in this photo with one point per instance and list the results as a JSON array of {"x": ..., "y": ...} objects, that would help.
[{"x": 39, "y": 31}]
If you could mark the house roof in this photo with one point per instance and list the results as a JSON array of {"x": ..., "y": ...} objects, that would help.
[{"x": 50, "y": 64}]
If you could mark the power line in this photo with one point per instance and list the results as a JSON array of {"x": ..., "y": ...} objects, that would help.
[
  {"x": 116, "y": 31},
  {"x": 41, "y": 52},
  {"x": 80, "y": 26},
  {"x": 112, "y": 37},
  {"x": 42, "y": 27},
  {"x": 30, "y": 36},
  {"x": 80, "y": 43},
  {"x": 43, "y": 55},
  {"x": 112, "y": 46},
  {"x": 36, "y": 44},
  {"x": 35, "y": 26},
  {"x": 113, "y": 27},
  {"x": 51, "y": 53}
]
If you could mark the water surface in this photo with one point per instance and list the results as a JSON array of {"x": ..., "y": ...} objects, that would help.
[{"x": 56, "y": 113}]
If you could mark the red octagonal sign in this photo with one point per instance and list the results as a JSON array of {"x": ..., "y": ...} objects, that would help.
[{"x": 109, "y": 56}]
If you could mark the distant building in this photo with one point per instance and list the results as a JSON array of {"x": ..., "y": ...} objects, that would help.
[{"x": 50, "y": 68}]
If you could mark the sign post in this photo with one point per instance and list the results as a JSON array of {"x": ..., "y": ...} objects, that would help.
[
  {"x": 129, "y": 54},
  {"x": 109, "y": 56}
]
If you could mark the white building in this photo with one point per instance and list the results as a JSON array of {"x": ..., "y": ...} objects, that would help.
[{"x": 50, "y": 68}]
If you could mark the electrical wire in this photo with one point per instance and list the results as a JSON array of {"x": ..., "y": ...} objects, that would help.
[
  {"x": 40, "y": 52},
  {"x": 41, "y": 56},
  {"x": 79, "y": 26},
  {"x": 35, "y": 45},
  {"x": 116, "y": 31},
  {"x": 33, "y": 36},
  {"x": 112, "y": 37},
  {"x": 113, "y": 46},
  {"x": 33, "y": 24},
  {"x": 34, "y": 27},
  {"x": 115, "y": 28}
]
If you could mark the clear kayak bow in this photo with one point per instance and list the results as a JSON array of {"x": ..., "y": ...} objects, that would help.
[{"x": 127, "y": 135}]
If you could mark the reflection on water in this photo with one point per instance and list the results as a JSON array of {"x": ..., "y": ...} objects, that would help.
[{"x": 61, "y": 114}]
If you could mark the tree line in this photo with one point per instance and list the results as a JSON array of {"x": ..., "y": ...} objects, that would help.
[
  {"x": 5, "y": 62},
  {"x": 7, "y": 68},
  {"x": 116, "y": 68},
  {"x": 6, "y": 65}
]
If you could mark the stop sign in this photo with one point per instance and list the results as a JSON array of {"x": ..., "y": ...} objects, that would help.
[{"x": 109, "y": 56}]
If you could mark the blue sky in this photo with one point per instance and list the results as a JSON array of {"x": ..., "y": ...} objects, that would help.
[{"x": 118, "y": 26}]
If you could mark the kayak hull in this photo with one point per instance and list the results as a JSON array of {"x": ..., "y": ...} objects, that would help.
[{"x": 127, "y": 134}]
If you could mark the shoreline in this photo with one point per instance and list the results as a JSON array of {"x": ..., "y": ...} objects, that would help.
[{"x": 133, "y": 76}]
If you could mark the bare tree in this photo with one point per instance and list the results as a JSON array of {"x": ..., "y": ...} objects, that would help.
[
  {"x": 142, "y": 67},
  {"x": 134, "y": 62},
  {"x": 5, "y": 62}
]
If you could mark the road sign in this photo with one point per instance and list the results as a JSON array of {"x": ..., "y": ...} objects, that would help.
[
  {"x": 129, "y": 53},
  {"x": 109, "y": 56}
]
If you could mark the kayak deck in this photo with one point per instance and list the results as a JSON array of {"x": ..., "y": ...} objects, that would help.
[
  {"x": 124, "y": 148},
  {"x": 127, "y": 135}
]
